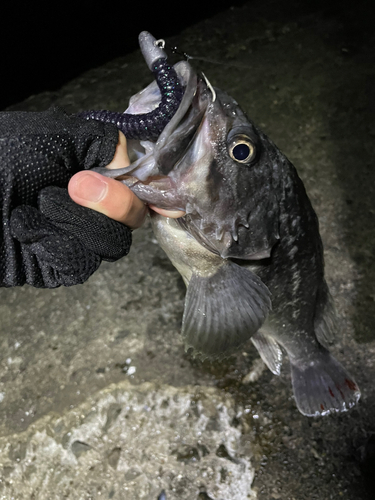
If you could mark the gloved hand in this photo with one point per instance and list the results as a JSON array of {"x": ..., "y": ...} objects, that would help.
[
  {"x": 63, "y": 243},
  {"x": 45, "y": 238}
]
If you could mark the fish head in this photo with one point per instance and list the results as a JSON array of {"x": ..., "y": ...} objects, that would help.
[
  {"x": 227, "y": 178},
  {"x": 213, "y": 163}
]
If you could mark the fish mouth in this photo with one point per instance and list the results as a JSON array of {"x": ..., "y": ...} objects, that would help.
[{"x": 150, "y": 158}]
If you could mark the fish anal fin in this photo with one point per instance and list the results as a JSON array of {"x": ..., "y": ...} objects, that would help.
[
  {"x": 269, "y": 350},
  {"x": 223, "y": 310},
  {"x": 325, "y": 322},
  {"x": 323, "y": 387}
]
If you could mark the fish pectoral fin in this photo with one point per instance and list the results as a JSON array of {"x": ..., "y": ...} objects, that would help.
[
  {"x": 323, "y": 386},
  {"x": 269, "y": 350},
  {"x": 223, "y": 311}
]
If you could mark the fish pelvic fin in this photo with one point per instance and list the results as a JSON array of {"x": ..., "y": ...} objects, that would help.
[
  {"x": 323, "y": 387},
  {"x": 223, "y": 311},
  {"x": 269, "y": 350}
]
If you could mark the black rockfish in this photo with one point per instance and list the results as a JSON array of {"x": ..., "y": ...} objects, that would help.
[{"x": 248, "y": 249}]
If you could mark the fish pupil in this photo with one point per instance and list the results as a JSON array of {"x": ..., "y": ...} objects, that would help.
[{"x": 241, "y": 152}]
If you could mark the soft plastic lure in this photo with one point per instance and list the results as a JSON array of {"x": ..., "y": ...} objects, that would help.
[{"x": 148, "y": 126}]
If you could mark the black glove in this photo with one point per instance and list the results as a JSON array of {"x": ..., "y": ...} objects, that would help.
[
  {"x": 46, "y": 240},
  {"x": 63, "y": 243}
]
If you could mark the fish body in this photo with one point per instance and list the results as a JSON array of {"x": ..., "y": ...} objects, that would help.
[{"x": 248, "y": 248}]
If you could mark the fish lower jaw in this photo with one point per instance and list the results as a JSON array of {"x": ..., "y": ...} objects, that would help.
[{"x": 262, "y": 254}]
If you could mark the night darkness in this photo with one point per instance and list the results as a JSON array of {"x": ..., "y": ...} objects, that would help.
[{"x": 44, "y": 45}]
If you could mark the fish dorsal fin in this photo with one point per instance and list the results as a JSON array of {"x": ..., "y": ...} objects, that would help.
[
  {"x": 223, "y": 311},
  {"x": 269, "y": 350}
]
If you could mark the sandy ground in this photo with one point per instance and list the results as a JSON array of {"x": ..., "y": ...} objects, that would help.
[{"x": 98, "y": 398}]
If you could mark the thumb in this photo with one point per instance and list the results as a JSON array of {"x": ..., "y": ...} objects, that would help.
[{"x": 108, "y": 196}]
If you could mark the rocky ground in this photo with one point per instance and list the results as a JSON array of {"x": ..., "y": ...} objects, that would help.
[{"x": 98, "y": 398}]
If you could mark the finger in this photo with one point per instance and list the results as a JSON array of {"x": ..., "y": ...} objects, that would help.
[
  {"x": 174, "y": 214},
  {"x": 121, "y": 158},
  {"x": 108, "y": 196}
]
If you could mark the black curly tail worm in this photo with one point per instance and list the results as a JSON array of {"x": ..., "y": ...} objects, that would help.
[{"x": 147, "y": 126}]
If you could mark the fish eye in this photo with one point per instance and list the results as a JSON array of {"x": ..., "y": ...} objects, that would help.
[{"x": 242, "y": 150}]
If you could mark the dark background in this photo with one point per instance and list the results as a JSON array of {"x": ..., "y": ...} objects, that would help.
[{"x": 44, "y": 45}]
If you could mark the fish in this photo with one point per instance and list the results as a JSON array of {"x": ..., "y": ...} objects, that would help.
[{"x": 248, "y": 249}]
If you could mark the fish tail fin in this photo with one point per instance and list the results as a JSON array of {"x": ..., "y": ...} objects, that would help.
[{"x": 323, "y": 387}]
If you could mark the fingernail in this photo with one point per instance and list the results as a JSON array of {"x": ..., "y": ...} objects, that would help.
[{"x": 90, "y": 188}]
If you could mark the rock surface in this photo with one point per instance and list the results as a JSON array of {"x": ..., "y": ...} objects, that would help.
[
  {"x": 132, "y": 442},
  {"x": 98, "y": 398}
]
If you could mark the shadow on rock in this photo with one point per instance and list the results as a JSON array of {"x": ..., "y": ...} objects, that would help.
[{"x": 351, "y": 105}]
